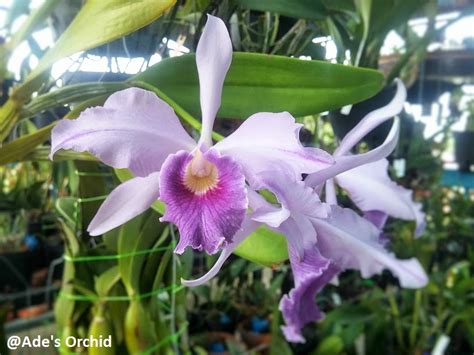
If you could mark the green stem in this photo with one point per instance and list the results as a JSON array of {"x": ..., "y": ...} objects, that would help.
[
  {"x": 396, "y": 317},
  {"x": 416, "y": 314}
]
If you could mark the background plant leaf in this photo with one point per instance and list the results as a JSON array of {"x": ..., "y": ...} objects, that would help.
[{"x": 265, "y": 83}]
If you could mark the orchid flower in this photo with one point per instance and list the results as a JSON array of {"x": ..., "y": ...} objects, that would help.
[
  {"x": 323, "y": 238},
  {"x": 343, "y": 240},
  {"x": 369, "y": 185},
  {"x": 204, "y": 187}
]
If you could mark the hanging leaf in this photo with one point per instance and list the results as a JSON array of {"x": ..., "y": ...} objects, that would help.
[{"x": 20, "y": 147}]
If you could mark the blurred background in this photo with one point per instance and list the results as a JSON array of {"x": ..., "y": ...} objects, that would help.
[{"x": 57, "y": 280}]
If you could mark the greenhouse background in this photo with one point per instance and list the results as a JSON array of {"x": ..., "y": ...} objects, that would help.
[{"x": 334, "y": 66}]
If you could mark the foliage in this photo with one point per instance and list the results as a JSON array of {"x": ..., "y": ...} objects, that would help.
[{"x": 119, "y": 285}]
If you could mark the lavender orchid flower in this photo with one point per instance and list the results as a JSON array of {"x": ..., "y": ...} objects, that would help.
[
  {"x": 203, "y": 186},
  {"x": 343, "y": 240},
  {"x": 323, "y": 238},
  {"x": 369, "y": 185}
]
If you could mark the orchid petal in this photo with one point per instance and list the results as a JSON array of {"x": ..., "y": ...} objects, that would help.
[
  {"x": 272, "y": 216},
  {"x": 331, "y": 197},
  {"x": 293, "y": 195},
  {"x": 126, "y": 201},
  {"x": 134, "y": 129},
  {"x": 268, "y": 140},
  {"x": 301, "y": 202},
  {"x": 371, "y": 189},
  {"x": 300, "y": 233},
  {"x": 348, "y": 162},
  {"x": 248, "y": 226},
  {"x": 257, "y": 201},
  {"x": 213, "y": 58},
  {"x": 377, "y": 218},
  {"x": 372, "y": 120},
  {"x": 353, "y": 243},
  {"x": 206, "y": 221},
  {"x": 299, "y": 307}
]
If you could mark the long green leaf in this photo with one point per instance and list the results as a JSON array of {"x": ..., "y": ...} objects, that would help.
[
  {"x": 259, "y": 83},
  {"x": 68, "y": 95},
  {"x": 19, "y": 148}
]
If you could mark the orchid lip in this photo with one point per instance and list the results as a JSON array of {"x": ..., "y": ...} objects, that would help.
[{"x": 205, "y": 196}]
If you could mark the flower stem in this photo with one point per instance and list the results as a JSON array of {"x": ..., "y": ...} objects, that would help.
[
  {"x": 396, "y": 317},
  {"x": 416, "y": 313}
]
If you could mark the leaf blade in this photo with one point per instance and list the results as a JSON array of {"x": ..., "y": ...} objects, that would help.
[{"x": 267, "y": 84}]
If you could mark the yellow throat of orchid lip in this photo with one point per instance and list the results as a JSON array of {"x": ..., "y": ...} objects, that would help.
[{"x": 200, "y": 175}]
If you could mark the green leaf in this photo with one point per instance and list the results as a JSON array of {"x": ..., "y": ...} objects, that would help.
[
  {"x": 68, "y": 95},
  {"x": 264, "y": 247},
  {"x": 67, "y": 208},
  {"x": 364, "y": 8},
  {"x": 263, "y": 83},
  {"x": 332, "y": 345},
  {"x": 106, "y": 281},
  {"x": 145, "y": 229},
  {"x": 23, "y": 148},
  {"x": 98, "y": 22},
  {"x": 19, "y": 148},
  {"x": 8, "y": 117},
  {"x": 305, "y": 9},
  {"x": 92, "y": 190}
]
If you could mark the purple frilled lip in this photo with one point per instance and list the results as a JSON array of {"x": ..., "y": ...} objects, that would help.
[{"x": 207, "y": 220}]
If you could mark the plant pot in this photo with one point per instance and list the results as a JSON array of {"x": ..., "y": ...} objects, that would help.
[{"x": 463, "y": 149}]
